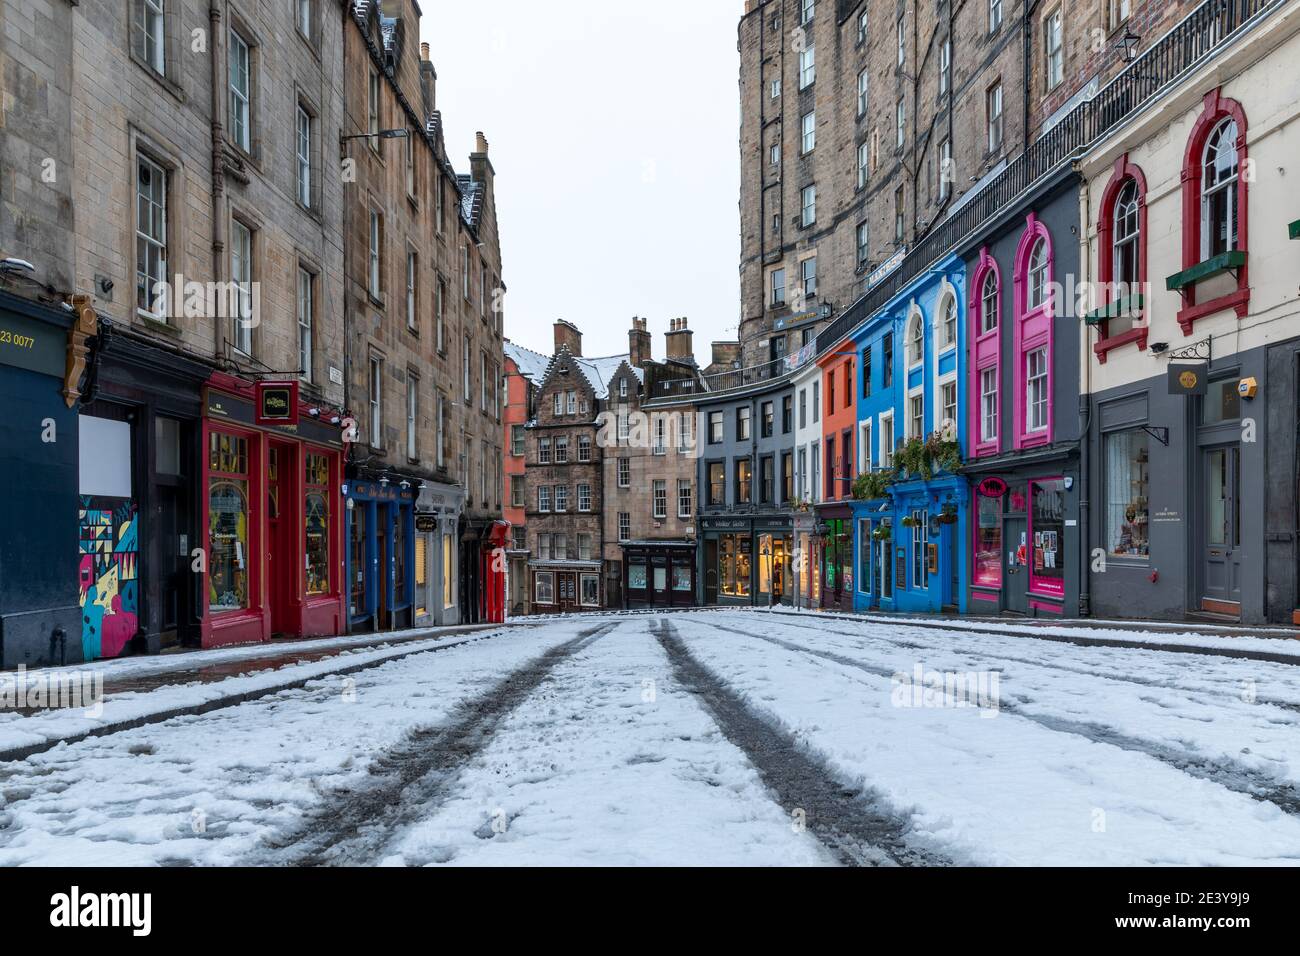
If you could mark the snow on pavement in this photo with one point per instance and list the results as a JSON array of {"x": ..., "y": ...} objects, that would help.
[
  {"x": 236, "y": 775},
  {"x": 1001, "y": 787},
  {"x": 611, "y": 762}
]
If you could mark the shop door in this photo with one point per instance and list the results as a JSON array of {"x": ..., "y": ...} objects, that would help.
[
  {"x": 1016, "y": 569},
  {"x": 283, "y": 560},
  {"x": 1221, "y": 519},
  {"x": 660, "y": 595},
  {"x": 173, "y": 562},
  {"x": 384, "y": 573},
  {"x": 710, "y": 571},
  {"x": 566, "y": 591}
]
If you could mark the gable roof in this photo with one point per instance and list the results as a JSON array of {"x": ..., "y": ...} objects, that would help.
[
  {"x": 597, "y": 372},
  {"x": 531, "y": 364}
]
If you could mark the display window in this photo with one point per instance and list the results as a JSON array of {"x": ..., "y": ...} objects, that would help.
[
  {"x": 1048, "y": 556},
  {"x": 988, "y": 542},
  {"x": 316, "y": 507},
  {"x": 228, "y": 522}
]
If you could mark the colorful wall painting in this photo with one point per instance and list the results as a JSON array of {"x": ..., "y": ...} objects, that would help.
[{"x": 110, "y": 592}]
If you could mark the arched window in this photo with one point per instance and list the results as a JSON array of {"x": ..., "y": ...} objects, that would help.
[
  {"x": 1219, "y": 232},
  {"x": 1215, "y": 187},
  {"x": 915, "y": 341},
  {"x": 948, "y": 321},
  {"x": 989, "y": 302},
  {"x": 1036, "y": 285},
  {"x": 1127, "y": 239}
]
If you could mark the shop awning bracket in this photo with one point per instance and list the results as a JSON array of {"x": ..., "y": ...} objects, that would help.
[{"x": 1160, "y": 434}]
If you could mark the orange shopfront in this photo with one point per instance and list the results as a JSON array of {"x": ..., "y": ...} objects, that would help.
[{"x": 271, "y": 509}]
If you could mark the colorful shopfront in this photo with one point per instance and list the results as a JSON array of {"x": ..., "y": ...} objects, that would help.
[
  {"x": 382, "y": 571},
  {"x": 747, "y": 561},
  {"x": 1023, "y": 383},
  {"x": 908, "y": 540},
  {"x": 274, "y": 534}
]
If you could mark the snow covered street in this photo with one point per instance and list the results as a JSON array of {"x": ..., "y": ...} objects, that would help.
[{"x": 698, "y": 738}]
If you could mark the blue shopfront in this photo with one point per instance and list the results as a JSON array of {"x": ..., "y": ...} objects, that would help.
[
  {"x": 908, "y": 552},
  {"x": 381, "y": 563}
]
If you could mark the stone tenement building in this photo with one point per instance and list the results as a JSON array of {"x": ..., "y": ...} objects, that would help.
[
  {"x": 182, "y": 232},
  {"x": 524, "y": 371},
  {"x": 865, "y": 124},
  {"x": 424, "y": 320},
  {"x": 593, "y": 469}
]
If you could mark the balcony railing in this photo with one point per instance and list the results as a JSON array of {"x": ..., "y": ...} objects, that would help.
[{"x": 1201, "y": 32}]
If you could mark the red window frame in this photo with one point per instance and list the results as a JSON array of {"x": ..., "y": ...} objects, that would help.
[
  {"x": 1124, "y": 171},
  {"x": 1214, "y": 108}
]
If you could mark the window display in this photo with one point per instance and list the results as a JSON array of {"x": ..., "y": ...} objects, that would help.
[
  {"x": 1047, "y": 564},
  {"x": 1127, "y": 476},
  {"x": 317, "y": 524},
  {"x": 988, "y": 543},
  {"x": 228, "y": 557},
  {"x": 734, "y": 556}
]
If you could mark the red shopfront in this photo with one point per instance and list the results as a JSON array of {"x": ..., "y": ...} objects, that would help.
[{"x": 271, "y": 507}]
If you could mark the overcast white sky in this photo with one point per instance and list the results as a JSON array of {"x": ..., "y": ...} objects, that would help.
[{"x": 613, "y": 130}]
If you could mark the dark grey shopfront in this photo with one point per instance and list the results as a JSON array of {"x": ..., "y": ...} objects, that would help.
[
  {"x": 1194, "y": 510},
  {"x": 746, "y": 561}
]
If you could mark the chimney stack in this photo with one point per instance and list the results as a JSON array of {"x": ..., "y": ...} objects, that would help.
[
  {"x": 638, "y": 344},
  {"x": 680, "y": 340},
  {"x": 566, "y": 333},
  {"x": 480, "y": 167},
  {"x": 428, "y": 81}
]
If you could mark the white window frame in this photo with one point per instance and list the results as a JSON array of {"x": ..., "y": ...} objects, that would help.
[
  {"x": 151, "y": 28},
  {"x": 685, "y": 498},
  {"x": 412, "y": 289},
  {"x": 863, "y": 93},
  {"x": 990, "y": 404},
  {"x": 240, "y": 84},
  {"x": 412, "y": 416},
  {"x": 1054, "y": 49},
  {"x": 305, "y": 314},
  {"x": 807, "y": 66},
  {"x": 1219, "y": 139},
  {"x": 374, "y": 271},
  {"x": 151, "y": 240},
  {"x": 808, "y": 205},
  {"x": 886, "y": 439},
  {"x": 241, "y": 275},
  {"x": 808, "y": 132},
  {"x": 864, "y": 446},
  {"x": 303, "y": 155},
  {"x": 659, "y": 498},
  {"x": 915, "y": 423},
  {"x": 993, "y": 117},
  {"x": 1036, "y": 405},
  {"x": 375, "y": 399},
  {"x": 948, "y": 381}
]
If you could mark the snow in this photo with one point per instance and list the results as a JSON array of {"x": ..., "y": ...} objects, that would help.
[{"x": 1087, "y": 755}]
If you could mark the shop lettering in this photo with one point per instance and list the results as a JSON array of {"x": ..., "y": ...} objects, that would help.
[{"x": 18, "y": 341}]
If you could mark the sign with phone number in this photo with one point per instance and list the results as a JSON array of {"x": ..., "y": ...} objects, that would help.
[{"x": 26, "y": 343}]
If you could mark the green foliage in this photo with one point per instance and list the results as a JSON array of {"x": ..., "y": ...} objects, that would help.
[{"x": 871, "y": 485}]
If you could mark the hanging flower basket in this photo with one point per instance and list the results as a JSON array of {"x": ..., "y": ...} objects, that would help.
[
  {"x": 882, "y": 533},
  {"x": 908, "y": 522}
]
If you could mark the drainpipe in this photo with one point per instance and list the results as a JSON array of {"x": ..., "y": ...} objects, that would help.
[
  {"x": 217, "y": 104},
  {"x": 1027, "y": 80},
  {"x": 1085, "y": 411}
]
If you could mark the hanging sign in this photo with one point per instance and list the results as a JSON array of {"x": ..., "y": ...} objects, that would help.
[
  {"x": 1187, "y": 380},
  {"x": 277, "y": 403},
  {"x": 992, "y": 488}
]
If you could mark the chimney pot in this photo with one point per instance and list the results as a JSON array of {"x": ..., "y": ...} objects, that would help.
[{"x": 424, "y": 51}]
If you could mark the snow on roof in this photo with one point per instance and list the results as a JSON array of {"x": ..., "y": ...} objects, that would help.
[
  {"x": 530, "y": 364},
  {"x": 599, "y": 371},
  {"x": 471, "y": 203}
]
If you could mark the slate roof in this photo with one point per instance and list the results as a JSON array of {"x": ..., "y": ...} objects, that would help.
[
  {"x": 531, "y": 364},
  {"x": 471, "y": 202},
  {"x": 599, "y": 371}
]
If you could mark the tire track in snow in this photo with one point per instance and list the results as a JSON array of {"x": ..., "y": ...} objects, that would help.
[
  {"x": 853, "y": 824},
  {"x": 352, "y": 826},
  {"x": 1207, "y": 695},
  {"x": 1224, "y": 771}
]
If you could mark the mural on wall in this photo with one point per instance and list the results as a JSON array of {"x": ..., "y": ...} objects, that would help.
[{"x": 110, "y": 553}]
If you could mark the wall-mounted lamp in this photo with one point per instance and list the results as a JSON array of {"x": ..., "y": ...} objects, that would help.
[{"x": 1128, "y": 45}]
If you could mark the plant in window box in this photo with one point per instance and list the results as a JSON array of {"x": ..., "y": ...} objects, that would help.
[
  {"x": 948, "y": 514},
  {"x": 871, "y": 485},
  {"x": 909, "y": 522},
  {"x": 882, "y": 533}
]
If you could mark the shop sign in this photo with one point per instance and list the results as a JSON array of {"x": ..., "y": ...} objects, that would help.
[
  {"x": 1188, "y": 380},
  {"x": 26, "y": 343},
  {"x": 232, "y": 408},
  {"x": 426, "y": 524},
  {"x": 725, "y": 524},
  {"x": 277, "y": 403},
  {"x": 992, "y": 488}
]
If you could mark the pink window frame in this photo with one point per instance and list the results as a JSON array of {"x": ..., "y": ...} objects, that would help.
[
  {"x": 985, "y": 353},
  {"x": 1054, "y": 590},
  {"x": 1123, "y": 172},
  {"x": 1032, "y": 330},
  {"x": 1215, "y": 108},
  {"x": 976, "y": 498}
]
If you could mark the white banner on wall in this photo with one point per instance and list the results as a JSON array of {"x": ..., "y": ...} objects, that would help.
[{"x": 104, "y": 457}]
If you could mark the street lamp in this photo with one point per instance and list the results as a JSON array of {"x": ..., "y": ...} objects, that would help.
[
  {"x": 401, "y": 133},
  {"x": 1129, "y": 45}
]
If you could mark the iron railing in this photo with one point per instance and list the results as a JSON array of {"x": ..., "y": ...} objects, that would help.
[{"x": 1200, "y": 33}]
